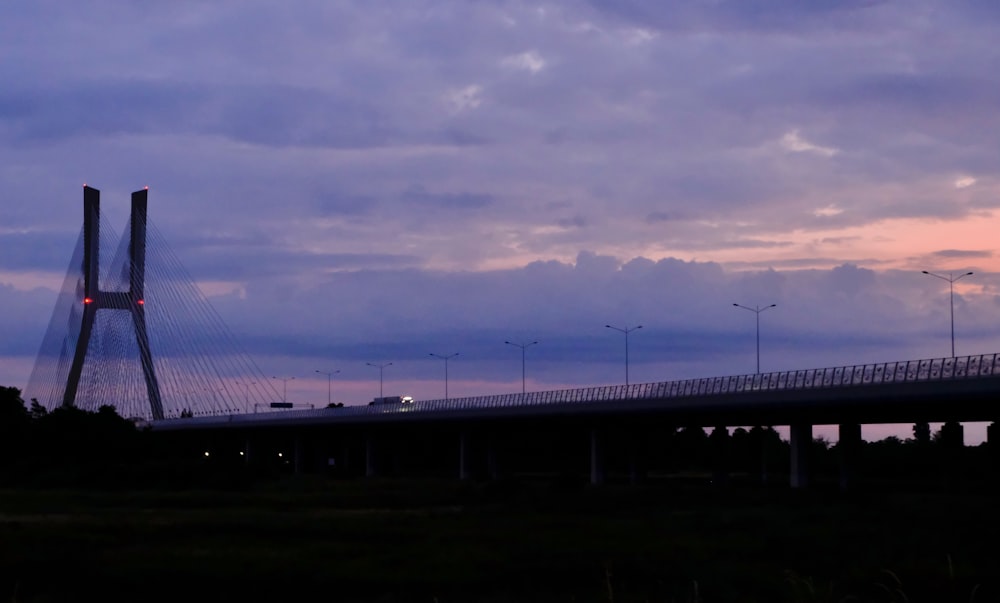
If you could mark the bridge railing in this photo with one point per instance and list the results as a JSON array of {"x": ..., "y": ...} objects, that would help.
[
  {"x": 937, "y": 369},
  {"x": 862, "y": 375}
]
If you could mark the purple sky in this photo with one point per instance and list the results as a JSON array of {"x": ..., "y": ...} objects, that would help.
[{"x": 355, "y": 182}]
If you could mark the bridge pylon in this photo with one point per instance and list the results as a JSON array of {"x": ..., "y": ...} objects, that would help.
[{"x": 131, "y": 300}]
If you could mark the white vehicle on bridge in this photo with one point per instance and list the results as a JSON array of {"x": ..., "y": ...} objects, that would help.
[{"x": 392, "y": 400}]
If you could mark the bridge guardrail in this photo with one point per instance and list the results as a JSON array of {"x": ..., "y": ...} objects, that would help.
[{"x": 937, "y": 369}]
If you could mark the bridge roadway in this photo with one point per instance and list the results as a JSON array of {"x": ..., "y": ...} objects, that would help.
[{"x": 962, "y": 389}]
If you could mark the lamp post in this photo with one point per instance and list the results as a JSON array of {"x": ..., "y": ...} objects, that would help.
[
  {"x": 329, "y": 378},
  {"x": 284, "y": 387},
  {"x": 523, "y": 347},
  {"x": 951, "y": 293},
  {"x": 379, "y": 367},
  {"x": 626, "y": 331},
  {"x": 757, "y": 310},
  {"x": 445, "y": 358}
]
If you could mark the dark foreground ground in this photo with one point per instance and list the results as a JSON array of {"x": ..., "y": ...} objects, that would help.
[{"x": 677, "y": 540}]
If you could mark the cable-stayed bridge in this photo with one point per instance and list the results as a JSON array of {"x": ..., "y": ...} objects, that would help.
[{"x": 131, "y": 329}]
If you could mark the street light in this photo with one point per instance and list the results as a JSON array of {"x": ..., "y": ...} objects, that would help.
[
  {"x": 445, "y": 358},
  {"x": 951, "y": 293},
  {"x": 757, "y": 310},
  {"x": 329, "y": 378},
  {"x": 284, "y": 387},
  {"x": 626, "y": 331},
  {"x": 379, "y": 367},
  {"x": 523, "y": 347}
]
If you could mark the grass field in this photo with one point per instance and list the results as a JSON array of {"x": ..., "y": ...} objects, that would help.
[{"x": 312, "y": 539}]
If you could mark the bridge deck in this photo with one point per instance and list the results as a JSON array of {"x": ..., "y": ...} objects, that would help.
[{"x": 820, "y": 384}]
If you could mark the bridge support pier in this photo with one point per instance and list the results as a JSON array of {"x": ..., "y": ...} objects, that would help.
[
  {"x": 463, "y": 456},
  {"x": 491, "y": 443},
  {"x": 762, "y": 436},
  {"x": 297, "y": 452},
  {"x": 719, "y": 442},
  {"x": 596, "y": 457},
  {"x": 370, "y": 466},
  {"x": 637, "y": 457},
  {"x": 848, "y": 446},
  {"x": 801, "y": 440}
]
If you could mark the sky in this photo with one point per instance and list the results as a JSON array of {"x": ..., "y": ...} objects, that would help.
[{"x": 354, "y": 183}]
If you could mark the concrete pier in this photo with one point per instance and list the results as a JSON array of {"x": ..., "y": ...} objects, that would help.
[
  {"x": 596, "y": 457},
  {"x": 848, "y": 449},
  {"x": 801, "y": 441}
]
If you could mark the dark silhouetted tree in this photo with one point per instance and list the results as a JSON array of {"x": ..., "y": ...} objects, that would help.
[
  {"x": 15, "y": 426},
  {"x": 950, "y": 436},
  {"x": 37, "y": 410}
]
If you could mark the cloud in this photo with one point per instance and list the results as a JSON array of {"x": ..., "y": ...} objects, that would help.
[
  {"x": 266, "y": 114},
  {"x": 529, "y": 61},
  {"x": 464, "y": 200},
  {"x": 730, "y": 15},
  {"x": 964, "y": 253},
  {"x": 665, "y": 216},
  {"x": 466, "y": 98},
  {"x": 30, "y": 251},
  {"x": 794, "y": 142},
  {"x": 829, "y": 210}
]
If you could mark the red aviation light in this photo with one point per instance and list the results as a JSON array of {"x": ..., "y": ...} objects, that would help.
[
  {"x": 87, "y": 300},
  {"x": 141, "y": 302}
]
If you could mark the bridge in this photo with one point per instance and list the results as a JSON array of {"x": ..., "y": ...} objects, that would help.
[
  {"x": 152, "y": 348},
  {"x": 930, "y": 390}
]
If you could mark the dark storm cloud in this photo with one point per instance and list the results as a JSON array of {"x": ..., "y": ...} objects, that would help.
[
  {"x": 665, "y": 216},
  {"x": 333, "y": 203},
  {"x": 239, "y": 258},
  {"x": 462, "y": 200},
  {"x": 42, "y": 251},
  {"x": 573, "y": 222},
  {"x": 743, "y": 244},
  {"x": 271, "y": 115},
  {"x": 21, "y": 324},
  {"x": 797, "y": 263},
  {"x": 738, "y": 15},
  {"x": 964, "y": 253}
]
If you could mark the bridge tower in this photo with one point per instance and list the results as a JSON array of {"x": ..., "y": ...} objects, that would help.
[{"x": 131, "y": 300}]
